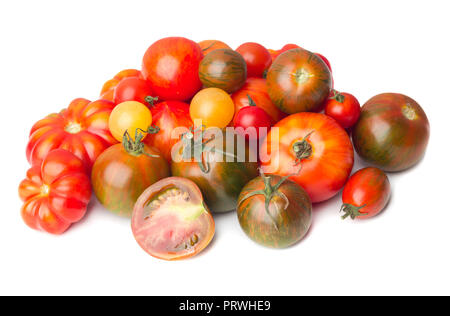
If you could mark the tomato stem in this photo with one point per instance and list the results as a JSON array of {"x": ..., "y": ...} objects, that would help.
[
  {"x": 250, "y": 100},
  {"x": 136, "y": 147},
  {"x": 352, "y": 211},
  {"x": 151, "y": 100},
  {"x": 338, "y": 96},
  {"x": 302, "y": 149}
]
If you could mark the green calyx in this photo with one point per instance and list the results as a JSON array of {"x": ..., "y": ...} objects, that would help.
[
  {"x": 135, "y": 146},
  {"x": 250, "y": 100},
  {"x": 352, "y": 211},
  {"x": 302, "y": 149},
  {"x": 151, "y": 100},
  {"x": 338, "y": 96}
]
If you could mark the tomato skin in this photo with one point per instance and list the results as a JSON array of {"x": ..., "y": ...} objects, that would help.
[
  {"x": 224, "y": 69},
  {"x": 213, "y": 106},
  {"x": 224, "y": 181},
  {"x": 170, "y": 65},
  {"x": 392, "y": 132},
  {"x": 276, "y": 53},
  {"x": 82, "y": 129},
  {"x": 118, "y": 177},
  {"x": 208, "y": 46},
  {"x": 156, "y": 226},
  {"x": 129, "y": 116},
  {"x": 325, "y": 60},
  {"x": 344, "y": 108},
  {"x": 132, "y": 89},
  {"x": 290, "y": 222},
  {"x": 368, "y": 188},
  {"x": 298, "y": 81},
  {"x": 107, "y": 92},
  {"x": 168, "y": 116},
  {"x": 55, "y": 193},
  {"x": 257, "y": 58},
  {"x": 256, "y": 88},
  {"x": 325, "y": 169},
  {"x": 252, "y": 117}
]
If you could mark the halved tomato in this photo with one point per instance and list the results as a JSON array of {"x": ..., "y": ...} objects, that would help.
[{"x": 170, "y": 220}]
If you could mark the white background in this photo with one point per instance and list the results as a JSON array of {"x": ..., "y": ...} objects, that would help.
[{"x": 54, "y": 51}]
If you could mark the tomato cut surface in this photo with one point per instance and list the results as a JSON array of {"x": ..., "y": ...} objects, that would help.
[{"x": 170, "y": 220}]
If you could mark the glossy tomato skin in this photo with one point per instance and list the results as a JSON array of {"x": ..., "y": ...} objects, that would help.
[
  {"x": 256, "y": 88},
  {"x": 171, "y": 66},
  {"x": 325, "y": 60},
  {"x": 368, "y": 188},
  {"x": 327, "y": 153},
  {"x": 224, "y": 181},
  {"x": 133, "y": 89},
  {"x": 392, "y": 132},
  {"x": 55, "y": 193},
  {"x": 257, "y": 58},
  {"x": 168, "y": 116},
  {"x": 288, "y": 222},
  {"x": 252, "y": 117},
  {"x": 170, "y": 220},
  {"x": 118, "y": 177},
  {"x": 298, "y": 81},
  {"x": 82, "y": 129},
  {"x": 344, "y": 108},
  {"x": 208, "y": 46},
  {"x": 107, "y": 92},
  {"x": 224, "y": 69},
  {"x": 213, "y": 106},
  {"x": 276, "y": 53}
]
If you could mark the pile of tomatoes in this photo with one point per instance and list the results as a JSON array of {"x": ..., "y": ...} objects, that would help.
[{"x": 202, "y": 129}]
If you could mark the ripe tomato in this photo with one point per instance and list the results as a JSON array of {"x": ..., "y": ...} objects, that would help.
[
  {"x": 168, "y": 116},
  {"x": 123, "y": 171},
  {"x": 344, "y": 108},
  {"x": 213, "y": 106},
  {"x": 317, "y": 143},
  {"x": 134, "y": 89},
  {"x": 298, "y": 81},
  {"x": 129, "y": 116},
  {"x": 392, "y": 132},
  {"x": 208, "y": 46},
  {"x": 274, "y": 211},
  {"x": 325, "y": 60},
  {"x": 366, "y": 193},
  {"x": 221, "y": 169},
  {"x": 251, "y": 121},
  {"x": 256, "y": 88},
  {"x": 55, "y": 193},
  {"x": 108, "y": 88},
  {"x": 170, "y": 220},
  {"x": 275, "y": 53},
  {"x": 82, "y": 129},
  {"x": 223, "y": 68},
  {"x": 257, "y": 58},
  {"x": 171, "y": 66}
]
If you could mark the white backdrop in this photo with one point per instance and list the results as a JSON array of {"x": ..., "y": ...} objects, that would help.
[{"x": 54, "y": 51}]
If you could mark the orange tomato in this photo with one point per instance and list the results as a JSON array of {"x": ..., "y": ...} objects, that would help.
[
  {"x": 213, "y": 106},
  {"x": 210, "y": 45}
]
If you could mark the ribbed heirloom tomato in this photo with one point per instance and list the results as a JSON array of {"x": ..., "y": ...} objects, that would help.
[
  {"x": 170, "y": 220},
  {"x": 317, "y": 143},
  {"x": 55, "y": 193},
  {"x": 107, "y": 92},
  {"x": 171, "y": 66},
  {"x": 82, "y": 129},
  {"x": 298, "y": 81}
]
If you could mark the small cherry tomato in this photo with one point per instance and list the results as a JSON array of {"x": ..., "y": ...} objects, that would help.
[
  {"x": 170, "y": 221},
  {"x": 108, "y": 88},
  {"x": 366, "y": 193},
  {"x": 251, "y": 120},
  {"x": 344, "y": 108},
  {"x": 257, "y": 58},
  {"x": 134, "y": 89},
  {"x": 213, "y": 106},
  {"x": 129, "y": 116},
  {"x": 210, "y": 45}
]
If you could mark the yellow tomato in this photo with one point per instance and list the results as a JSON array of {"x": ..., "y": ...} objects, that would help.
[
  {"x": 213, "y": 106},
  {"x": 129, "y": 116}
]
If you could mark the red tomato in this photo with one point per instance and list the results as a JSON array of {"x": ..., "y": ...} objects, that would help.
[
  {"x": 168, "y": 116},
  {"x": 55, "y": 193},
  {"x": 256, "y": 88},
  {"x": 82, "y": 129},
  {"x": 257, "y": 58},
  {"x": 134, "y": 89},
  {"x": 344, "y": 108},
  {"x": 325, "y": 60},
  {"x": 250, "y": 120},
  {"x": 317, "y": 144},
  {"x": 171, "y": 66},
  {"x": 275, "y": 53},
  {"x": 108, "y": 88},
  {"x": 366, "y": 193}
]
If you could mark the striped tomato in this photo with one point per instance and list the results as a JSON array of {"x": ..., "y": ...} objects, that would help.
[{"x": 208, "y": 46}]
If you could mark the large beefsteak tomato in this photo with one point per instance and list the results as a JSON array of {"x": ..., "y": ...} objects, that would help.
[
  {"x": 317, "y": 144},
  {"x": 55, "y": 193},
  {"x": 82, "y": 129}
]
